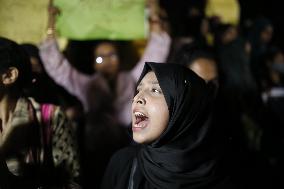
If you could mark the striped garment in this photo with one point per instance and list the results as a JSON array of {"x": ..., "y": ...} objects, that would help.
[{"x": 45, "y": 137}]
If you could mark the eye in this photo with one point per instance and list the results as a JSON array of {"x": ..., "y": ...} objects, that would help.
[
  {"x": 113, "y": 56},
  {"x": 158, "y": 91}
]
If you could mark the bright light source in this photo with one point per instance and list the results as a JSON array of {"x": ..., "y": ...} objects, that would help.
[{"x": 99, "y": 60}]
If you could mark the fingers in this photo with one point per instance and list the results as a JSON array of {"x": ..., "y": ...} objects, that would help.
[
  {"x": 154, "y": 9},
  {"x": 52, "y": 10}
]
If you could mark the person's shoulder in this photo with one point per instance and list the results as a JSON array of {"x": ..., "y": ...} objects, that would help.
[
  {"x": 119, "y": 168},
  {"x": 124, "y": 155},
  {"x": 122, "y": 158},
  {"x": 44, "y": 108}
]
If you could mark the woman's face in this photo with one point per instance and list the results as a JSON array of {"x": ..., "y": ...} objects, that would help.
[
  {"x": 36, "y": 67},
  {"x": 150, "y": 114},
  {"x": 106, "y": 59},
  {"x": 267, "y": 34},
  {"x": 230, "y": 35}
]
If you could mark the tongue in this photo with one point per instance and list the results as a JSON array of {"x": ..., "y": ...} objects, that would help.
[{"x": 140, "y": 119}]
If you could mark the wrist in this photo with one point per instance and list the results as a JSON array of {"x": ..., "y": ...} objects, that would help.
[{"x": 50, "y": 31}]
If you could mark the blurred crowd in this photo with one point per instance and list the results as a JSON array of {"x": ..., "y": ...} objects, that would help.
[{"x": 93, "y": 83}]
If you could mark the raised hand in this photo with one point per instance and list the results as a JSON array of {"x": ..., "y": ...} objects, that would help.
[
  {"x": 156, "y": 16},
  {"x": 52, "y": 13}
]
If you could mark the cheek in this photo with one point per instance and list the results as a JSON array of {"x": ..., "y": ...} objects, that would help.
[
  {"x": 159, "y": 117},
  {"x": 115, "y": 62},
  {"x": 98, "y": 67},
  {"x": 160, "y": 110},
  {"x": 114, "y": 65}
]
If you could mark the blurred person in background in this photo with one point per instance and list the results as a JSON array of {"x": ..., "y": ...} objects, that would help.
[
  {"x": 106, "y": 95},
  {"x": 260, "y": 37},
  {"x": 201, "y": 60},
  {"x": 273, "y": 97},
  {"x": 45, "y": 90},
  {"x": 241, "y": 107},
  {"x": 37, "y": 145},
  {"x": 106, "y": 63}
]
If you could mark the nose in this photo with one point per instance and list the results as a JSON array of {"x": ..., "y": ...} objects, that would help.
[{"x": 139, "y": 99}]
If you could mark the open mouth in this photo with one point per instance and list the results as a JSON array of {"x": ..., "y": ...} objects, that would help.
[{"x": 140, "y": 121}]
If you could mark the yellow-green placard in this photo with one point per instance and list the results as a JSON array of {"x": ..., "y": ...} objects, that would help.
[
  {"x": 227, "y": 10},
  {"x": 101, "y": 19},
  {"x": 23, "y": 21}
]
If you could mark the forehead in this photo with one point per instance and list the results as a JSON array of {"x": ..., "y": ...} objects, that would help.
[
  {"x": 279, "y": 56},
  {"x": 149, "y": 78},
  {"x": 205, "y": 68},
  {"x": 268, "y": 28},
  {"x": 204, "y": 63},
  {"x": 105, "y": 47}
]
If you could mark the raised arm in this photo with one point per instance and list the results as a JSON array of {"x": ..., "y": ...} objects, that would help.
[
  {"x": 159, "y": 41},
  {"x": 58, "y": 67}
]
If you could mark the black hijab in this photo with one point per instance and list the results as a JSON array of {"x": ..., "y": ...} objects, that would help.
[{"x": 186, "y": 154}]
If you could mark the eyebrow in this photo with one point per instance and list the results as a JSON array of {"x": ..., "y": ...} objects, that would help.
[
  {"x": 151, "y": 82},
  {"x": 155, "y": 82}
]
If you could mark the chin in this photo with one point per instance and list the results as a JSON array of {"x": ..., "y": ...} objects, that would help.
[
  {"x": 141, "y": 140},
  {"x": 138, "y": 140}
]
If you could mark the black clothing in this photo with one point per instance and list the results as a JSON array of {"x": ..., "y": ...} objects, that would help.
[{"x": 186, "y": 155}]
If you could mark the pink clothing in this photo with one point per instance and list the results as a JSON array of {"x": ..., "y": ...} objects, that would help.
[{"x": 78, "y": 84}]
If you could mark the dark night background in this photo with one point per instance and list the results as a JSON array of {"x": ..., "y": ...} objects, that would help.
[{"x": 250, "y": 9}]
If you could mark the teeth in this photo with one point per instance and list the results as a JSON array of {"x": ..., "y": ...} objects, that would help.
[
  {"x": 139, "y": 121},
  {"x": 138, "y": 126},
  {"x": 139, "y": 114}
]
